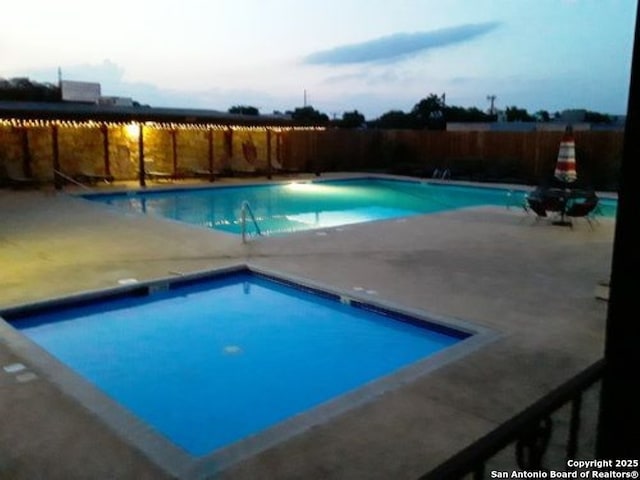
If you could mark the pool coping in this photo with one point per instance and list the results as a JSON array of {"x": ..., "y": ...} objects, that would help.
[
  {"x": 173, "y": 459},
  {"x": 508, "y": 190},
  {"x": 326, "y": 177},
  {"x": 160, "y": 189}
]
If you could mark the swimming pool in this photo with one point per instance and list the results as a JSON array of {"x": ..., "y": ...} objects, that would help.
[
  {"x": 211, "y": 360},
  {"x": 296, "y": 206}
]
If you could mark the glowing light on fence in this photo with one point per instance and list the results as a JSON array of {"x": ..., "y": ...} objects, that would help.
[{"x": 132, "y": 130}]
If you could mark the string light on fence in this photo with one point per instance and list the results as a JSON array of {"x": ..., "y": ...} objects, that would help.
[{"x": 92, "y": 124}]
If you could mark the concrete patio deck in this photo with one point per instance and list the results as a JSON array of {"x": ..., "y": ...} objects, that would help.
[{"x": 531, "y": 282}]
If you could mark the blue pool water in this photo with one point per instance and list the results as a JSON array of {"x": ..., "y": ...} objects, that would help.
[
  {"x": 607, "y": 207},
  {"x": 211, "y": 362},
  {"x": 292, "y": 207}
]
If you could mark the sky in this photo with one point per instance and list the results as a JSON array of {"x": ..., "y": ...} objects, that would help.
[{"x": 335, "y": 55}]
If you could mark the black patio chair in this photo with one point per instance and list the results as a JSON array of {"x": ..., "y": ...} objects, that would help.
[
  {"x": 582, "y": 207},
  {"x": 544, "y": 201},
  {"x": 536, "y": 205}
]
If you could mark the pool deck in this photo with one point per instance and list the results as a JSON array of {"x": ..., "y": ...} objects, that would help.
[{"x": 531, "y": 282}]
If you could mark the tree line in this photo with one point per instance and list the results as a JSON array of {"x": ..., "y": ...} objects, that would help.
[
  {"x": 25, "y": 90},
  {"x": 430, "y": 112}
]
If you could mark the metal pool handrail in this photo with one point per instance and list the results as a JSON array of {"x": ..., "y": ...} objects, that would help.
[{"x": 244, "y": 209}]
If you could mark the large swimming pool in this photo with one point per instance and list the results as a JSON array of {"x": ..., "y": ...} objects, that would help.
[
  {"x": 210, "y": 361},
  {"x": 295, "y": 206}
]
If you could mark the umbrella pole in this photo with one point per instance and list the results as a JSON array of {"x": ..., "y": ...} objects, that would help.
[{"x": 562, "y": 222}]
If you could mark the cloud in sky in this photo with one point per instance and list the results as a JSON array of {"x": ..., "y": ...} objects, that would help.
[{"x": 394, "y": 47}]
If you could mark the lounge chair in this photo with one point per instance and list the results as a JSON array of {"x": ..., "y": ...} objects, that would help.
[
  {"x": 246, "y": 170},
  {"x": 278, "y": 169},
  {"x": 157, "y": 176},
  {"x": 203, "y": 173},
  {"x": 92, "y": 178},
  {"x": 16, "y": 181}
]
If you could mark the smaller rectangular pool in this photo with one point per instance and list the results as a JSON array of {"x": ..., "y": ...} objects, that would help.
[{"x": 212, "y": 360}]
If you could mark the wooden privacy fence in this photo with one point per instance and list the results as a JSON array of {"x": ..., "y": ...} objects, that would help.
[
  {"x": 525, "y": 157},
  {"x": 120, "y": 151},
  {"x": 480, "y": 155}
]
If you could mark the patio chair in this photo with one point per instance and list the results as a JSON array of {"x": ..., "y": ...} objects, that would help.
[
  {"x": 536, "y": 205},
  {"x": 544, "y": 201},
  {"x": 555, "y": 200},
  {"x": 582, "y": 207},
  {"x": 540, "y": 202}
]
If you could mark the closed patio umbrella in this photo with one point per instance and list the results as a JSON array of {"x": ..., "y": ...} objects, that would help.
[
  {"x": 566, "y": 168},
  {"x": 566, "y": 165}
]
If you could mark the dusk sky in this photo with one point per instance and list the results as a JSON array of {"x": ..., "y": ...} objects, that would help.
[{"x": 369, "y": 55}]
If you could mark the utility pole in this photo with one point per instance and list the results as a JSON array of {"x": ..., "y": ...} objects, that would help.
[
  {"x": 304, "y": 104},
  {"x": 60, "y": 82},
  {"x": 492, "y": 100}
]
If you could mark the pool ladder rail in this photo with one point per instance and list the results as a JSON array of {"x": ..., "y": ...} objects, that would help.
[
  {"x": 245, "y": 210},
  {"x": 444, "y": 174}
]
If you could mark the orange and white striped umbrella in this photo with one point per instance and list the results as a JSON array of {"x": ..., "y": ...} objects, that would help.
[{"x": 566, "y": 165}]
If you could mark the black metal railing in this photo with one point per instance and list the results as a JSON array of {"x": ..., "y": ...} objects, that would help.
[{"x": 529, "y": 431}]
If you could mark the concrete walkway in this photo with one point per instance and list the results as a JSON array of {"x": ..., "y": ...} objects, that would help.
[{"x": 532, "y": 283}]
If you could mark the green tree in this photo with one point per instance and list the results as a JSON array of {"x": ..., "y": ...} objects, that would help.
[
  {"x": 244, "y": 110},
  {"x": 308, "y": 114},
  {"x": 351, "y": 120},
  {"x": 542, "y": 116},
  {"x": 515, "y": 114},
  {"x": 429, "y": 112},
  {"x": 461, "y": 114},
  {"x": 599, "y": 118},
  {"x": 395, "y": 119},
  {"x": 24, "y": 90}
]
